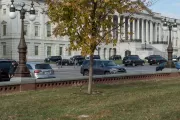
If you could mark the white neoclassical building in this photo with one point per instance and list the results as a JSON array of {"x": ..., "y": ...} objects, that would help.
[{"x": 148, "y": 36}]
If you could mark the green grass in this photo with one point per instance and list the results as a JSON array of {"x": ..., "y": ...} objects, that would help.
[
  {"x": 50, "y": 62},
  {"x": 119, "y": 62},
  {"x": 150, "y": 100}
]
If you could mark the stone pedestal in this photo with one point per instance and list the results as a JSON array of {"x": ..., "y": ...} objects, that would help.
[{"x": 27, "y": 83}]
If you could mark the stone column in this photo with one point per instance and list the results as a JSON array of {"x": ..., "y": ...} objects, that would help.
[
  {"x": 123, "y": 28},
  {"x": 160, "y": 32},
  {"x": 147, "y": 32},
  {"x": 129, "y": 26},
  {"x": 164, "y": 36},
  {"x": 155, "y": 33},
  {"x": 142, "y": 31},
  {"x": 119, "y": 34},
  {"x": 112, "y": 31},
  {"x": 138, "y": 24},
  {"x": 134, "y": 30},
  {"x": 151, "y": 32}
]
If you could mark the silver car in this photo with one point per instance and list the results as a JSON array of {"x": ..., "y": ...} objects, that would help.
[{"x": 40, "y": 70}]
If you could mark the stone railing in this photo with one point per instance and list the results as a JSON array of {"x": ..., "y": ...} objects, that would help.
[
  {"x": 159, "y": 42},
  {"x": 132, "y": 40},
  {"x": 147, "y": 49},
  {"x": 25, "y": 84}
]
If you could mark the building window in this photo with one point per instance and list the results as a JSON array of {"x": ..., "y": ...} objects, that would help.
[
  {"x": 37, "y": 13},
  {"x": 25, "y": 29},
  {"x": 48, "y": 51},
  {"x": 48, "y": 30},
  {"x": 69, "y": 52},
  {"x": 115, "y": 27},
  {"x": 36, "y": 50},
  {"x": 176, "y": 41},
  {"x": 99, "y": 51},
  {"x": 4, "y": 11},
  {"x": 4, "y": 49},
  {"x": 36, "y": 31},
  {"x": 4, "y": 30},
  {"x": 60, "y": 50}
]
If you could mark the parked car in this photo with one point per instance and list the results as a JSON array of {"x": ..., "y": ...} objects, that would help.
[
  {"x": 178, "y": 58},
  {"x": 175, "y": 58},
  {"x": 53, "y": 59},
  {"x": 125, "y": 58},
  {"x": 94, "y": 57},
  {"x": 133, "y": 60},
  {"x": 4, "y": 69},
  {"x": 161, "y": 66},
  {"x": 177, "y": 64},
  {"x": 77, "y": 60},
  {"x": 101, "y": 67},
  {"x": 151, "y": 56},
  {"x": 115, "y": 57},
  {"x": 64, "y": 62},
  {"x": 156, "y": 60},
  {"x": 40, "y": 70}
]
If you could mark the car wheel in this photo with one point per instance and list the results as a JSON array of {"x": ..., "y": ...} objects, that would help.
[
  {"x": 107, "y": 73},
  {"x": 86, "y": 73},
  {"x": 125, "y": 65},
  {"x": 133, "y": 64},
  {"x": 150, "y": 63}
]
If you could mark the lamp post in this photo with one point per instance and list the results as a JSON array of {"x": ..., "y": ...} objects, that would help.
[
  {"x": 145, "y": 45},
  {"x": 22, "y": 70},
  {"x": 172, "y": 26}
]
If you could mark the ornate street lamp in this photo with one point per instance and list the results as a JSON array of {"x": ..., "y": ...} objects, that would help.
[
  {"x": 22, "y": 70},
  {"x": 172, "y": 26}
]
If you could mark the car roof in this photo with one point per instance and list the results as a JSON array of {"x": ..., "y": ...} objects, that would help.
[
  {"x": 34, "y": 63},
  {"x": 98, "y": 60},
  {"x": 6, "y": 60}
]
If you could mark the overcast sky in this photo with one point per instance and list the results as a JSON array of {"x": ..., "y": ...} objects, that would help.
[{"x": 170, "y": 8}]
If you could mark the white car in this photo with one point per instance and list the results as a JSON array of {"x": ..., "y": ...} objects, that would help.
[
  {"x": 40, "y": 70},
  {"x": 175, "y": 59}
]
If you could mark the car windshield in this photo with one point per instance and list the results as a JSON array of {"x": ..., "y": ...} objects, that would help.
[
  {"x": 42, "y": 66},
  {"x": 158, "y": 58},
  {"x": 5, "y": 64},
  {"x": 134, "y": 58},
  {"x": 174, "y": 56},
  {"x": 109, "y": 63}
]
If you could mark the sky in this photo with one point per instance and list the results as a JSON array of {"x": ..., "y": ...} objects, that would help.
[{"x": 169, "y": 8}]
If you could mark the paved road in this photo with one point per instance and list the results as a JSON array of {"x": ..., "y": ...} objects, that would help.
[{"x": 71, "y": 72}]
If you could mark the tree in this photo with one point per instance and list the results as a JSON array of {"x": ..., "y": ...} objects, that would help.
[{"x": 88, "y": 23}]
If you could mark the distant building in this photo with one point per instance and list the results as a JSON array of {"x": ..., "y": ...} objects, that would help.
[{"x": 148, "y": 38}]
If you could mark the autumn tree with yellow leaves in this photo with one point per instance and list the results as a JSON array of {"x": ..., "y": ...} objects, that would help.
[{"x": 88, "y": 23}]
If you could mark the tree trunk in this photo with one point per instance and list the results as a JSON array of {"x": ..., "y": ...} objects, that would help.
[{"x": 90, "y": 74}]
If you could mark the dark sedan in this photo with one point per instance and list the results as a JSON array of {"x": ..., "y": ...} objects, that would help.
[
  {"x": 134, "y": 61},
  {"x": 4, "y": 69},
  {"x": 156, "y": 60},
  {"x": 53, "y": 59},
  {"x": 115, "y": 57},
  {"x": 64, "y": 62},
  {"x": 101, "y": 67}
]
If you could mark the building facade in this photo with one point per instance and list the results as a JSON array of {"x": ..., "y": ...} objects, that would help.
[{"x": 148, "y": 36}]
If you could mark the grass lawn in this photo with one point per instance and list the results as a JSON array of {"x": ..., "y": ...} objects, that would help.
[
  {"x": 150, "y": 100},
  {"x": 119, "y": 62}
]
